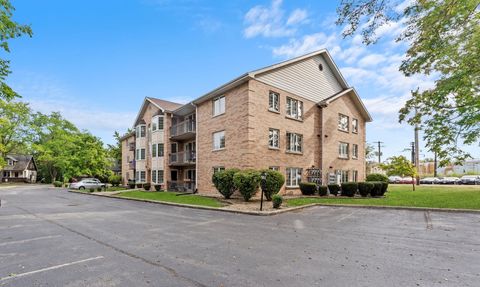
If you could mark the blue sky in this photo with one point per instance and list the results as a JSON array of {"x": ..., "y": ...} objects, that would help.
[{"x": 95, "y": 61}]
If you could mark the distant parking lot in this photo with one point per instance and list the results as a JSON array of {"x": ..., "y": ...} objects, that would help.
[{"x": 55, "y": 238}]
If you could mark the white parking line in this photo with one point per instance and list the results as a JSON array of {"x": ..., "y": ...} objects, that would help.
[
  {"x": 49, "y": 268},
  {"x": 28, "y": 240}
]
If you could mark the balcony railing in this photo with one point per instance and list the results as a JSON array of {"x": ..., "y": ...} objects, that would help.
[
  {"x": 188, "y": 186},
  {"x": 183, "y": 158},
  {"x": 131, "y": 146},
  {"x": 131, "y": 165},
  {"x": 185, "y": 128}
]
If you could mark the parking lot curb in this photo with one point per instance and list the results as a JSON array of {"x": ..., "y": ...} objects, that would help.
[{"x": 451, "y": 210}]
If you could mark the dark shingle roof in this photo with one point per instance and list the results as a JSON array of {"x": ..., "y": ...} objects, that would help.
[
  {"x": 21, "y": 162},
  {"x": 169, "y": 106}
]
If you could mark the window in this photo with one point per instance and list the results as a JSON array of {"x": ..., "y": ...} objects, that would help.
[
  {"x": 343, "y": 122},
  {"x": 218, "y": 168},
  {"x": 137, "y": 154},
  {"x": 154, "y": 124},
  {"x": 355, "y": 151},
  {"x": 154, "y": 176},
  {"x": 160, "y": 149},
  {"x": 294, "y": 142},
  {"x": 274, "y": 138},
  {"x": 355, "y": 126},
  {"x": 342, "y": 175},
  {"x": 160, "y": 176},
  {"x": 154, "y": 150},
  {"x": 294, "y": 176},
  {"x": 219, "y": 140},
  {"x": 294, "y": 108},
  {"x": 10, "y": 162},
  {"x": 343, "y": 150},
  {"x": 274, "y": 101},
  {"x": 160, "y": 123},
  {"x": 219, "y": 106},
  {"x": 276, "y": 168},
  {"x": 355, "y": 175},
  {"x": 142, "y": 153},
  {"x": 140, "y": 131},
  {"x": 140, "y": 176}
]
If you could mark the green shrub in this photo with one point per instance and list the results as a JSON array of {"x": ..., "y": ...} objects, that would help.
[
  {"x": 322, "y": 190},
  {"x": 349, "y": 188},
  {"x": 115, "y": 180},
  {"x": 131, "y": 185},
  {"x": 377, "y": 177},
  {"x": 277, "y": 200},
  {"x": 308, "y": 188},
  {"x": 139, "y": 185},
  {"x": 377, "y": 188},
  {"x": 247, "y": 182},
  {"x": 334, "y": 188},
  {"x": 364, "y": 188},
  {"x": 223, "y": 181},
  {"x": 99, "y": 189},
  {"x": 384, "y": 188},
  {"x": 158, "y": 187},
  {"x": 147, "y": 186},
  {"x": 57, "y": 183},
  {"x": 91, "y": 189},
  {"x": 273, "y": 183}
]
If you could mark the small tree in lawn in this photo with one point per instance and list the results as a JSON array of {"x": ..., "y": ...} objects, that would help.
[{"x": 400, "y": 165}]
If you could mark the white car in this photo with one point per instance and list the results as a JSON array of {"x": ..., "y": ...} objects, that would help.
[{"x": 87, "y": 183}]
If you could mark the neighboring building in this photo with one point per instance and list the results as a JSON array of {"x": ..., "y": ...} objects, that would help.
[
  {"x": 471, "y": 166},
  {"x": 290, "y": 117},
  {"x": 19, "y": 168},
  {"x": 374, "y": 167},
  {"x": 128, "y": 157}
]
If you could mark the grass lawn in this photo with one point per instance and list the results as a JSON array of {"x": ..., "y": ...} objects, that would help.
[
  {"x": 463, "y": 197},
  {"x": 172, "y": 197},
  {"x": 115, "y": 188}
]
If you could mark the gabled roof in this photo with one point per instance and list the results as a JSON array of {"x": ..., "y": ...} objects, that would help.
[
  {"x": 354, "y": 96},
  {"x": 21, "y": 162},
  {"x": 164, "y": 106}
]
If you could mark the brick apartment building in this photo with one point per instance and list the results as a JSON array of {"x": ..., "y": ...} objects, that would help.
[{"x": 291, "y": 116}]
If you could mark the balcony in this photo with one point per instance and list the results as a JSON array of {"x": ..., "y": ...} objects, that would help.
[
  {"x": 183, "y": 131},
  {"x": 131, "y": 146},
  {"x": 182, "y": 158},
  {"x": 131, "y": 165}
]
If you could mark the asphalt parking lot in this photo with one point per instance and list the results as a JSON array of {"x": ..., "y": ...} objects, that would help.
[{"x": 50, "y": 237}]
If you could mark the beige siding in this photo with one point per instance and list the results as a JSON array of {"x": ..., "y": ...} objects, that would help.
[{"x": 304, "y": 79}]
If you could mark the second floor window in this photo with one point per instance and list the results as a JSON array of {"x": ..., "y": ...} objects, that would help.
[
  {"x": 160, "y": 149},
  {"x": 140, "y": 154},
  {"x": 140, "y": 131},
  {"x": 355, "y": 126},
  {"x": 273, "y": 138},
  {"x": 160, "y": 123},
  {"x": 355, "y": 151},
  {"x": 343, "y": 150},
  {"x": 294, "y": 142},
  {"x": 219, "y": 140},
  {"x": 294, "y": 108},
  {"x": 154, "y": 150},
  {"x": 219, "y": 106},
  {"x": 343, "y": 122},
  {"x": 274, "y": 101}
]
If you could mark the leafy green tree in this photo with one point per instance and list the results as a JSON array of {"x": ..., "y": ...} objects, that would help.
[
  {"x": 400, "y": 165},
  {"x": 443, "y": 39}
]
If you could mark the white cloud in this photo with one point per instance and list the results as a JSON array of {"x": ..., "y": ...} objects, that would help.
[
  {"x": 307, "y": 44},
  {"x": 269, "y": 21},
  {"x": 371, "y": 60}
]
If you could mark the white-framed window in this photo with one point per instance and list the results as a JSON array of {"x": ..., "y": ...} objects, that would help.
[
  {"x": 342, "y": 175},
  {"x": 154, "y": 176},
  {"x": 219, "y": 140},
  {"x": 10, "y": 162},
  {"x": 276, "y": 168},
  {"x": 140, "y": 154},
  {"x": 157, "y": 176},
  {"x": 294, "y": 108},
  {"x": 218, "y": 168},
  {"x": 160, "y": 123},
  {"x": 160, "y": 150},
  {"x": 154, "y": 124},
  {"x": 343, "y": 150},
  {"x": 140, "y": 131},
  {"x": 219, "y": 106},
  {"x": 294, "y": 142},
  {"x": 274, "y": 101},
  {"x": 274, "y": 138},
  {"x": 355, "y": 126},
  {"x": 140, "y": 176},
  {"x": 343, "y": 122},
  {"x": 355, "y": 175},
  {"x": 154, "y": 150},
  {"x": 355, "y": 151},
  {"x": 294, "y": 176}
]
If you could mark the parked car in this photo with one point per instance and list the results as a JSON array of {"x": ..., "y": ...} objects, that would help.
[
  {"x": 449, "y": 180},
  {"x": 430, "y": 180},
  {"x": 470, "y": 179},
  {"x": 87, "y": 183},
  {"x": 408, "y": 180},
  {"x": 394, "y": 179}
]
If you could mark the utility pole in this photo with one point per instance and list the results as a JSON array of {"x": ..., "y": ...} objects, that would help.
[
  {"x": 379, "y": 143},
  {"x": 412, "y": 154},
  {"x": 417, "y": 152},
  {"x": 434, "y": 164}
]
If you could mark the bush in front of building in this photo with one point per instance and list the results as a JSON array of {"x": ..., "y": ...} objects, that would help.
[
  {"x": 364, "y": 188},
  {"x": 277, "y": 200},
  {"x": 334, "y": 188},
  {"x": 322, "y": 190},
  {"x": 307, "y": 188},
  {"x": 91, "y": 189},
  {"x": 377, "y": 188},
  {"x": 131, "y": 185},
  {"x": 223, "y": 181},
  {"x": 99, "y": 189},
  {"x": 384, "y": 188},
  {"x": 273, "y": 183},
  {"x": 139, "y": 185},
  {"x": 377, "y": 177},
  {"x": 147, "y": 186},
  {"x": 57, "y": 183},
  {"x": 158, "y": 187},
  {"x": 247, "y": 183},
  {"x": 115, "y": 180},
  {"x": 349, "y": 188}
]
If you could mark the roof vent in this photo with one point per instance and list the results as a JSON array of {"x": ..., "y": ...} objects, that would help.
[{"x": 320, "y": 67}]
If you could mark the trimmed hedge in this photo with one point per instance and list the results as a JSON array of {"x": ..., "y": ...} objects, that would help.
[
  {"x": 377, "y": 188},
  {"x": 277, "y": 200},
  {"x": 223, "y": 181},
  {"x": 322, "y": 190},
  {"x": 274, "y": 182},
  {"x": 91, "y": 189},
  {"x": 157, "y": 187},
  {"x": 308, "y": 188},
  {"x": 364, "y": 188},
  {"x": 139, "y": 185},
  {"x": 99, "y": 189},
  {"x": 334, "y": 188},
  {"x": 131, "y": 185},
  {"x": 115, "y": 180},
  {"x": 57, "y": 183},
  {"x": 377, "y": 177},
  {"x": 247, "y": 183},
  {"x": 384, "y": 188},
  {"x": 147, "y": 186},
  {"x": 349, "y": 188}
]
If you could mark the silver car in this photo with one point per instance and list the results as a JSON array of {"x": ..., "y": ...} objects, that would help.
[{"x": 87, "y": 183}]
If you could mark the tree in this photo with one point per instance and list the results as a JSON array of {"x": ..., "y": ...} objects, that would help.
[
  {"x": 444, "y": 39},
  {"x": 9, "y": 30},
  {"x": 400, "y": 165},
  {"x": 369, "y": 151}
]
